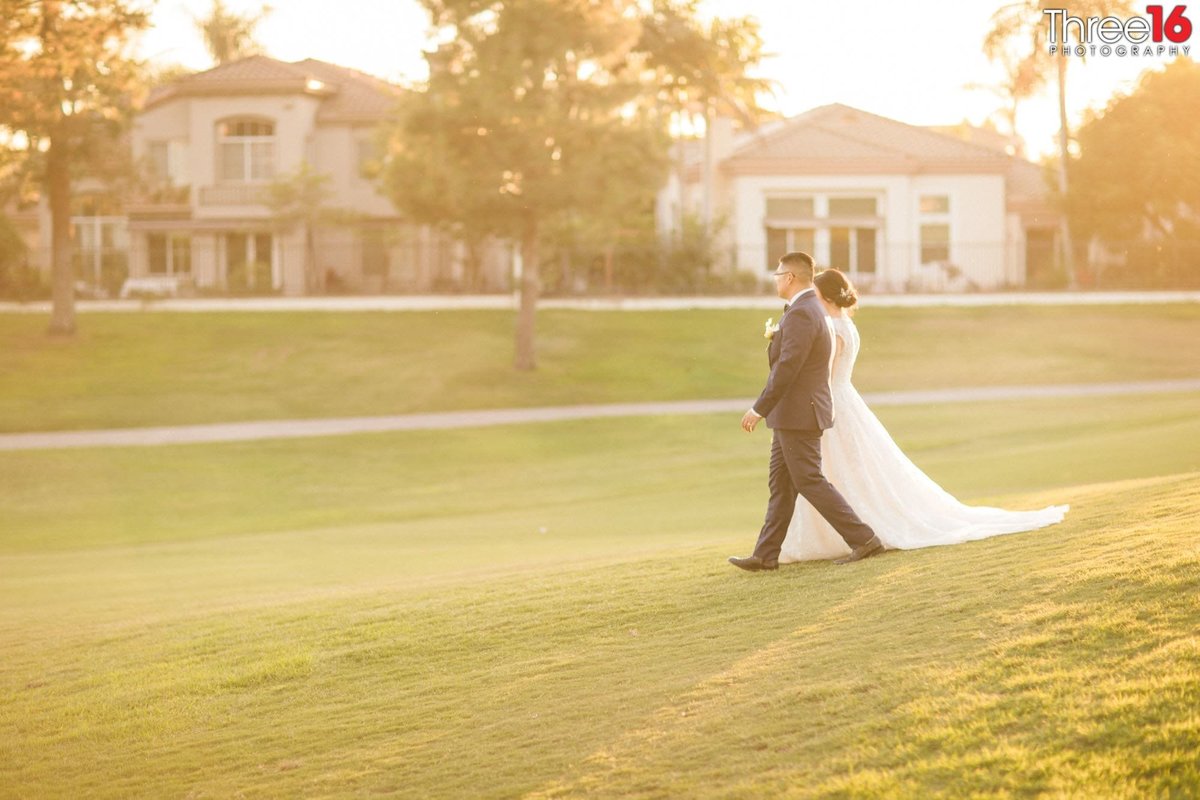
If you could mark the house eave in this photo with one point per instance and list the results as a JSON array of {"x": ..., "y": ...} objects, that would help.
[{"x": 239, "y": 89}]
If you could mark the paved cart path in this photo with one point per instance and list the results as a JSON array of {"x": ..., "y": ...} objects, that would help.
[
  {"x": 509, "y": 302},
  {"x": 300, "y": 428}
]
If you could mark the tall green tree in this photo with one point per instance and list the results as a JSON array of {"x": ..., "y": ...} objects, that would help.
[
  {"x": 1022, "y": 26},
  {"x": 1144, "y": 199},
  {"x": 228, "y": 35},
  {"x": 700, "y": 70},
  {"x": 13, "y": 258},
  {"x": 431, "y": 173},
  {"x": 1022, "y": 79},
  {"x": 67, "y": 86},
  {"x": 527, "y": 103},
  {"x": 299, "y": 199},
  {"x": 699, "y": 64}
]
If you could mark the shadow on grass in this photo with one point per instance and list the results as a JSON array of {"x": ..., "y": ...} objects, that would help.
[{"x": 1059, "y": 661}]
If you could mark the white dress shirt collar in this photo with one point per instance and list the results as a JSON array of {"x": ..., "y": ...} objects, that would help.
[{"x": 800, "y": 294}]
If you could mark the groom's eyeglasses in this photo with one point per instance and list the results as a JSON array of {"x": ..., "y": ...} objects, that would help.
[{"x": 781, "y": 274}]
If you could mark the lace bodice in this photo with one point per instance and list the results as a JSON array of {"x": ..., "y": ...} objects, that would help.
[{"x": 846, "y": 346}]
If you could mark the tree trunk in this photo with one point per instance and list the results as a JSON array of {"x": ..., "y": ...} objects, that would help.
[
  {"x": 473, "y": 279},
  {"x": 608, "y": 269},
  {"x": 680, "y": 211},
  {"x": 58, "y": 193},
  {"x": 525, "y": 357},
  {"x": 709, "y": 166},
  {"x": 1064, "y": 226},
  {"x": 315, "y": 281}
]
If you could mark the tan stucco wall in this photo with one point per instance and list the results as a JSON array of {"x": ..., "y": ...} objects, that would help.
[
  {"x": 336, "y": 154},
  {"x": 977, "y": 219}
]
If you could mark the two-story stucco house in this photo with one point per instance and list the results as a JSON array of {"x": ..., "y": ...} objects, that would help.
[
  {"x": 216, "y": 140},
  {"x": 898, "y": 207}
]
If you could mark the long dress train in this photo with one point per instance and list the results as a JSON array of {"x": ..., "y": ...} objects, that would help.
[{"x": 901, "y": 503}]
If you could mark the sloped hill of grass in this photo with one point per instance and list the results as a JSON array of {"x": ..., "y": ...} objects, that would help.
[
  {"x": 591, "y": 484},
  {"x": 127, "y": 370},
  {"x": 1062, "y": 662}
]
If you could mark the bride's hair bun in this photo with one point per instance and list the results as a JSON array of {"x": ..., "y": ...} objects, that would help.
[{"x": 835, "y": 287}]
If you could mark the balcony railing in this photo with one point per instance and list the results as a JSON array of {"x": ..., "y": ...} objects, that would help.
[{"x": 233, "y": 195}]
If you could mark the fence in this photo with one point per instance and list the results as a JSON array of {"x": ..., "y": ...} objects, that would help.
[
  {"x": 248, "y": 264},
  {"x": 900, "y": 266},
  {"x": 264, "y": 264},
  {"x": 1034, "y": 264}
]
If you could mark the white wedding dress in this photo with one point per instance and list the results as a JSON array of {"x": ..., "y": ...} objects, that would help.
[{"x": 901, "y": 503}]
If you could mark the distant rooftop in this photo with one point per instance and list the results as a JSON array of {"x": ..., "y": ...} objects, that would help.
[
  {"x": 348, "y": 95},
  {"x": 839, "y": 138}
]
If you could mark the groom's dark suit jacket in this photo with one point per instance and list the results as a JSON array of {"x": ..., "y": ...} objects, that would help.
[{"x": 797, "y": 394}]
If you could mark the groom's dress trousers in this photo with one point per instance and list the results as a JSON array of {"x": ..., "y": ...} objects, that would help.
[{"x": 798, "y": 405}]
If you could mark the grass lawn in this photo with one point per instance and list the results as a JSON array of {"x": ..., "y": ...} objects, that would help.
[
  {"x": 545, "y": 611},
  {"x": 128, "y": 370},
  {"x": 642, "y": 478}
]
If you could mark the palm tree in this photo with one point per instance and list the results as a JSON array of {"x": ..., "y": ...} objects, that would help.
[
  {"x": 229, "y": 36},
  {"x": 1021, "y": 81},
  {"x": 702, "y": 70},
  {"x": 1024, "y": 25}
]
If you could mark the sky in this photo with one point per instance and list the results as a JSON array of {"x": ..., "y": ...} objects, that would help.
[{"x": 911, "y": 61}]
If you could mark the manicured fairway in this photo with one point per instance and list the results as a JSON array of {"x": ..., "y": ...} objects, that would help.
[
  {"x": 645, "y": 478},
  {"x": 546, "y": 611},
  {"x": 127, "y": 370}
]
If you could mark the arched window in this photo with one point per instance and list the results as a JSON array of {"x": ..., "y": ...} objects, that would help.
[{"x": 246, "y": 150}]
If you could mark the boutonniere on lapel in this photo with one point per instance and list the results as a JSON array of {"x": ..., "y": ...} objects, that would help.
[{"x": 769, "y": 331}]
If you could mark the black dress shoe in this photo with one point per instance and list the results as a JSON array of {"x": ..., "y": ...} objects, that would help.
[
  {"x": 872, "y": 547},
  {"x": 753, "y": 563}
]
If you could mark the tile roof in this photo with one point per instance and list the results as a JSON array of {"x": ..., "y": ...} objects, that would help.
[
  {"x": 839, "y": 138},
  {"x": 359, "y": 96},
  {"x": 348, "y": 95},
  {"x": 1025, "y": 182},
  {"x": 1029, "y": 192},
  {"x": 249, "y": 69},
  {"x": 977, "y": 135},
  {"x": 1026, "y": 179}
]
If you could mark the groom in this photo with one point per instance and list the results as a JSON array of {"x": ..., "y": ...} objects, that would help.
[{"x": 798, "y": 405}]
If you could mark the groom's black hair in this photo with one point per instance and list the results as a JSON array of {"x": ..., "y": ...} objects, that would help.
[{"x": 800, "y": 263}]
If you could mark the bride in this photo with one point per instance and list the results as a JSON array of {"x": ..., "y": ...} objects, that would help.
[{"x": 904, "y": 506}]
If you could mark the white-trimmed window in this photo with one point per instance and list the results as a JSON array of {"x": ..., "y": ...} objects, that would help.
[
  {"x": 159, "y": 156},
  {"x": 839, "y": 230},
  {"x": 853, "y": 249},
  {"x": 368, "y": 152},
  {"x": 169, "y": 253},
  {"x": 101, "y": 242},
  {"x": 853, "y": 233},
  {"x": 246, "y": 150},
  {"x": 791, "y": 225},
  {"x": 781, "y": 241},
  {"x": 853, "y": 208},
  {"x": 250, "y": 262},
  {"x": 931, "y": 204},
  {"x": 168, "y": 161},
  {"x": 934, "y": 228},
  {"x": 790, "y": 208},
  {"x": 935, "y": 243}
]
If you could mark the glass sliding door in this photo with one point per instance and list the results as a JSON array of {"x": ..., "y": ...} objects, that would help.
[
  {"x": 248, "y": 262},
  {"x": 854, "y": 250},
  {"x": 781, "y": 241},
  {"x": 839, "y": 230}
]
